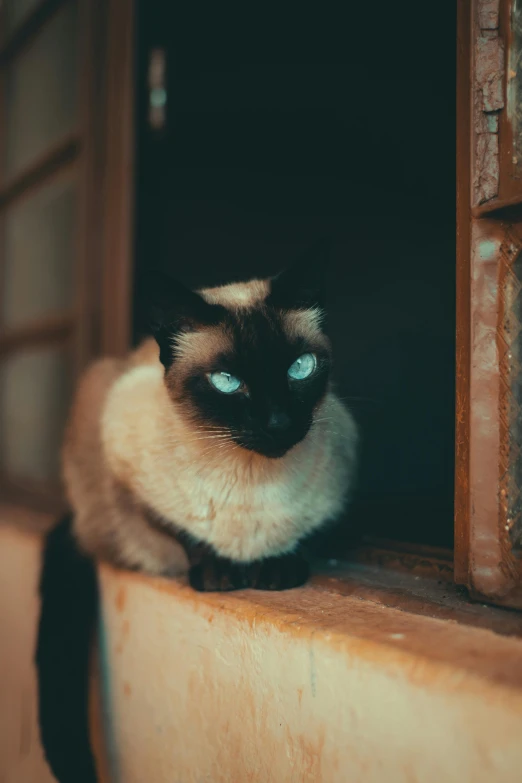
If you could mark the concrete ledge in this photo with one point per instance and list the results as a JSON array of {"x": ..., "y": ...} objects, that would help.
[
  {"x": 312, "y": 685},
  {"x": 304, "y": 686}
]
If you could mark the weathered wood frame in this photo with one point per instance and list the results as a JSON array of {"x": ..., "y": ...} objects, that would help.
[
  {"x": 489, "y": 230},
  {"x": 100, "y": 149}
]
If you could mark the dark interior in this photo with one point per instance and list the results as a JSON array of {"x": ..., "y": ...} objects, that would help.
[{"x": 285, "y": 125}]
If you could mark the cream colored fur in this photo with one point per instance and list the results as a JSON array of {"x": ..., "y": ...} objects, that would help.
[
  {"x": 130, "y": 447},
  {"x": 237, "y": 296}
]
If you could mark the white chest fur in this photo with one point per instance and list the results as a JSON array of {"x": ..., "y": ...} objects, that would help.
[{"x": 246, "y": 507}]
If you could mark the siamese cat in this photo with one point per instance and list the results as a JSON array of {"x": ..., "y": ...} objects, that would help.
[{"x": 216, "y": 448}]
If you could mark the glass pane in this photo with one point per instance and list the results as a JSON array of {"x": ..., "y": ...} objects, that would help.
[
  {"x": 41, "y": 91},
  {"x": 39, "y": 254},
  {"x": 34, "y": 396},
  {"x": 15, "y": 11}
]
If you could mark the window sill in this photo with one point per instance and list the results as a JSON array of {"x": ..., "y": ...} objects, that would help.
[
  {"x": 365, "y": 674},
  {"x": 329, "y": 683}
]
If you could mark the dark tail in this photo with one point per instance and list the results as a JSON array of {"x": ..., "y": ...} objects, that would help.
[{"x": 69, "y": 593}]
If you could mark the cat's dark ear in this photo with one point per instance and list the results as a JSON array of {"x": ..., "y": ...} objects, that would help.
[
  {"x": 168, "y": 307},
  {"x": 303, "y": 283}
]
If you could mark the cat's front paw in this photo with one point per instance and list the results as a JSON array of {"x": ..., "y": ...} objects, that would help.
[
  {"x": 279, "y": 573},
  {"x": 217, "y": 575}
]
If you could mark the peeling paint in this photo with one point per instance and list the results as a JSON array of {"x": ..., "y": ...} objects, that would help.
[
  {"x": 490, "y": 72},
  {"x": 494, "y": 570},
  {"x": 487, "y": 249},
  {"x": 488, "y": 14},
  {"x": 488, "y": 102}
]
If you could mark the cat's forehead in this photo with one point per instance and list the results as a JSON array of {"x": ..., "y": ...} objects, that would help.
[
  {"x": 251, "y": 329},
  {"x": 238, "y": 296},
  {"x": 247, "y": 304}
]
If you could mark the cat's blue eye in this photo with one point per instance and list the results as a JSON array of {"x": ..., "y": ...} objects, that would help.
[
  {"x": 224, "y": 382},
  {"x": 303, "y": 367}
]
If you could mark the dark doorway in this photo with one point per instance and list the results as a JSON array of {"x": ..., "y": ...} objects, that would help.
[{"x": 287, "y": 125}]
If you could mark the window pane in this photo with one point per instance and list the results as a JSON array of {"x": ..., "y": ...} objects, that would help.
[
  {"x": 41, "y": 91},
  {"x": 39, "y": 254},
  {"x": 34, "y": 395},
  {"x": 15, "y": 11}
]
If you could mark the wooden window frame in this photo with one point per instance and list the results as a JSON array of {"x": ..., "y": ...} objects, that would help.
[
  {"x": 101, "y": 149},
  {"x": 489, "y": 238},
  {"x": 482, "y": 559}
]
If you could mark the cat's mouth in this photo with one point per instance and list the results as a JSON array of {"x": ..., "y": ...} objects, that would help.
[{"x": 268, "y": 447}]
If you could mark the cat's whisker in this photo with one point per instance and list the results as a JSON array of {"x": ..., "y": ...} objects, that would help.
[
  {"x": 181, "y": 436},
  {"x": 359, "y": 399},
  {"x": 205, "y": 437},
  {"x": 212, "y": 431},
  {"x": 338, "y": 434},
  {"x": 183, "y": 442},
  {"x": 295, "y": 458},
  {"x": 200, "y": 430}
]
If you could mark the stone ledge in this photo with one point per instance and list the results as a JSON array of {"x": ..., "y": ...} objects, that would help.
[
  {"x": 322, "y": 684},
  {"x": 307, "y": 685}
]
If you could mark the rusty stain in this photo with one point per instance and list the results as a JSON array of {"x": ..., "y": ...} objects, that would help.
[
  {"x": 127, "y": 690},
  {"x": 305, "y": 754},
  {"x": 123, "y": 636},
  {"x": 121, "y": 598},
  {"x": 362, "y": 626},
  {"x": 300, "y": 695}
]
